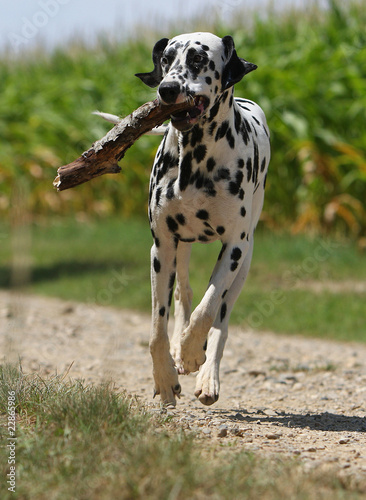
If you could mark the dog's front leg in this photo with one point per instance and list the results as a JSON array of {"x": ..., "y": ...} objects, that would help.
[
  {"x": 194, "y": 337},
  {"x": 208, "y": 381},
  {"x": 162, "y": 282},
  {"x": 183, "y": 299}
]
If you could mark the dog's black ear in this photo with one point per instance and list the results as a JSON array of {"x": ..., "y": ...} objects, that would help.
[
  {"x": 235, "y": 67},
  {"x": 153, "y": 78}
]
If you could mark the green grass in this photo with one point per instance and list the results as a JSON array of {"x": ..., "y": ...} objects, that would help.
[
  {"x": 107, "y": 262},
  {"x": 81, "y": 442}
]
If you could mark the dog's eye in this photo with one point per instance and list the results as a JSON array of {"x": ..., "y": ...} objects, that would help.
[
  {"x": 197, "y": 59},
  {"x": 164, "y": 60}
]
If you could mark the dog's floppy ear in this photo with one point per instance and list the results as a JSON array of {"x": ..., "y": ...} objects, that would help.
[
  {"x": 235, "y": 67},
  {"x": 153, "y": 78}
]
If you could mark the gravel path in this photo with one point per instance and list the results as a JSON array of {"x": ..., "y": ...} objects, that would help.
[{"x": 279, "y": 395}]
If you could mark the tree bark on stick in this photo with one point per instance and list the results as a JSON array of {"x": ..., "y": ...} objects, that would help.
[{"x": 102, "y": 158}]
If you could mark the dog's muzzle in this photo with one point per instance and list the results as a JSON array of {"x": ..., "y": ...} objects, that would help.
[{"x": 170, "y": 93}]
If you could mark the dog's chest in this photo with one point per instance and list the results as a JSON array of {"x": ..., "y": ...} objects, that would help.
[
  {"x": 203, "y": 182},
  {"x": 194, "y": 195}
]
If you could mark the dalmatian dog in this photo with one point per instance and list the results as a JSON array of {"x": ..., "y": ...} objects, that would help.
[{"x": 207, "y": 183}]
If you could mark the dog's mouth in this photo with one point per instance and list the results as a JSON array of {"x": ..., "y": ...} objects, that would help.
[{"x": 184, "y": 120}]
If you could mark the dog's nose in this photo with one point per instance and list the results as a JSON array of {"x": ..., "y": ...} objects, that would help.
[{"x": 169, "y": 92}]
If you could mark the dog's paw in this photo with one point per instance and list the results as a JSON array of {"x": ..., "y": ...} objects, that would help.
[
  {"x": 207, "y": 386},
  {"x": 175, "y": 352},
  {"x": 192, "y": 354},
  {"x": 167, "y": 386}
]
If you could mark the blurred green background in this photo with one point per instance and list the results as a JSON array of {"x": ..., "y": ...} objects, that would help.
[{"x": 311, "y": 83}]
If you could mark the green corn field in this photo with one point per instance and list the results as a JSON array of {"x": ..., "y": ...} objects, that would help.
[{"x": 310, "y": 81}]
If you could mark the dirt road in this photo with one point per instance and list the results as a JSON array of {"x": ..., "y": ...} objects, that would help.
[{"x": 291, "y": 396}]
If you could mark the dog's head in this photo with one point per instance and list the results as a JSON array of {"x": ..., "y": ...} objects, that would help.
[{"x": 197, "y": 67}]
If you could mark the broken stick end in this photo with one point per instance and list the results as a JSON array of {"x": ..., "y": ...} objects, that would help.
[{"x": 57, "y": 182}]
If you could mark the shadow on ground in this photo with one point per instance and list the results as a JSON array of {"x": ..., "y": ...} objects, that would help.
[{"x": 319, "y": 421}]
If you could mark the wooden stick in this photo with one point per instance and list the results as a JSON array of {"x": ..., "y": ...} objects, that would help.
[{"x": 102, "y": 158}]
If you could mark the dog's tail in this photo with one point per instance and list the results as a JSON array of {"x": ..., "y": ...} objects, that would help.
[
  {"x": 107, "y": 116},
  {"x": 116, "y": 119}
]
